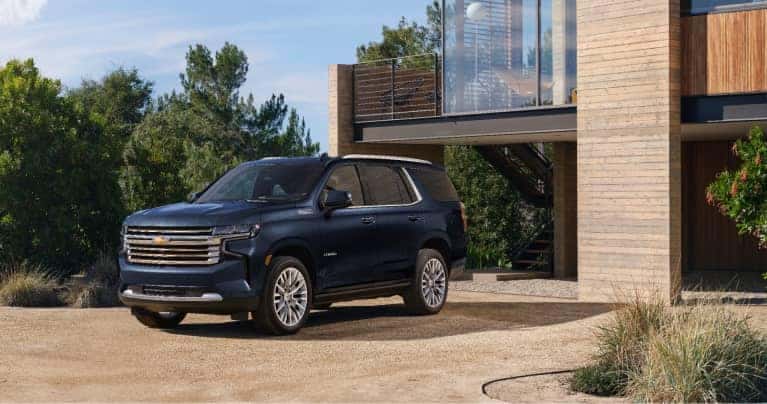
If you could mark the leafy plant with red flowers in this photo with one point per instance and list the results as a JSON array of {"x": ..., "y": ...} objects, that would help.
[{"x": 741, "y": 195}]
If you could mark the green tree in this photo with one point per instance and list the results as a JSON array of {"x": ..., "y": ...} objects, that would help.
[
  {"x": 119, "y": 101},
  {"x": 191, "y": 138},
  {"x": 741, "y": 194},
  {"x": 58, "y": 189},
  {"x": 408, "y": 38}
]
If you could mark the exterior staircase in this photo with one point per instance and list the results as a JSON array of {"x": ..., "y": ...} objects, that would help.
[
  {"x": 530, "y": 172},
  {"x": 526, "y": 168}
]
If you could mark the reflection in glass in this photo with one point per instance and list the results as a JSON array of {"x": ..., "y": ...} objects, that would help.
[
  {"x": 706, "y": 6},
  {"x": 492, "y": 59}
]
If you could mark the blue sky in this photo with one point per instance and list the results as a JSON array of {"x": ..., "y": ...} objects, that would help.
[{"x": 289, "y": 43}]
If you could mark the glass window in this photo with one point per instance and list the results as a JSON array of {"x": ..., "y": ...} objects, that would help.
[
  {"x": 492, "y": 60},
  {"x": 266, "y": 182},
  {"x": 436, "y": 183},
  {"x": 558, "y": 52},
  {"x": 384, "y": 186},
  {"x": 707, "y": 6},
  {"x": 345, "y": 178}
]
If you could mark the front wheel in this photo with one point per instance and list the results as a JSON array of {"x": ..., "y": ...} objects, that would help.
[
  {"x": 164, "y": 319},
  {"x": 428, "y": 293},
  {"x": 284, "y": 306}
]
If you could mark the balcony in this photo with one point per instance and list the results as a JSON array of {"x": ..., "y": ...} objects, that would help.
[{"x": 401, "y": 88}]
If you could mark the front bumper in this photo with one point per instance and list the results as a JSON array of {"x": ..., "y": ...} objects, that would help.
[{"x": 222, "y": 288}]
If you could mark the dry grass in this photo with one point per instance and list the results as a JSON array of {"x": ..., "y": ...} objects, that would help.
[
  {"x": 28, "y": 285},
  {"x": 699, "y": 353},
  {"x": 704, "y": 354},
  {"x": 101, "y": 291}
]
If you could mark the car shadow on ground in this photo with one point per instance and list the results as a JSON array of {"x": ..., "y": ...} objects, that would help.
[{"x": 392, "y": 322}]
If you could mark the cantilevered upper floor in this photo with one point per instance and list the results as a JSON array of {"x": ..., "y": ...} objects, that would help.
[{"x": 508, "y": 72}]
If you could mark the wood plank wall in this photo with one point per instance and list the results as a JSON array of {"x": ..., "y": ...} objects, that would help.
[
  {"x": 710, "y": 239},
  {"x": 724, "y": 53}
]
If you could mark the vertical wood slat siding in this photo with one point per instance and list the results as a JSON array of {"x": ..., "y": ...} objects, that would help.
[
  {"x": 724, "y": 53},
  {"x": 711, "y": 240}
]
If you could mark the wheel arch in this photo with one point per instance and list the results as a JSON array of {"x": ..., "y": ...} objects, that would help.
[
  {"x": 440, "y": 243},
  {"x": 299, "y": 249}
]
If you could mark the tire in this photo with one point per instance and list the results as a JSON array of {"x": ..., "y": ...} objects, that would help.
[
  {"x": 323, "y": 306},
  {"x": 153, "y": 319},
  {"x": 428, "y": 292},
  {"x": 284, "y": 272}
]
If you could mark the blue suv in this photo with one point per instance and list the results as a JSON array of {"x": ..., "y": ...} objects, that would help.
[{"x": 278, "y": 237}]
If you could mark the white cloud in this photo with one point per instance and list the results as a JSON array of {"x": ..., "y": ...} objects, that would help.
[{"x": 18, "y": 12}]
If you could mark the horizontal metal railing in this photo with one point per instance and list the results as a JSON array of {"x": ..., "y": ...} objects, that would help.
[{"x": 400, "y": 88}]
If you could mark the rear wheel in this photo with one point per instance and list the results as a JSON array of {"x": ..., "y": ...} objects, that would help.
[
  {"x": 284, "y": 305},
  {"x": 163, "y": 319},
  {"x": 428, "y": 292}
]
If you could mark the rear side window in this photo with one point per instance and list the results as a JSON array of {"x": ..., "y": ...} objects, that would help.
[
  {"x": 345, "y": 178},
  {"x": 384, "y": 185},
  {"x": 437, "y": 184}
]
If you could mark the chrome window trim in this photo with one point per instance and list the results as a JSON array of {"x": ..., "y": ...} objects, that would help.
[{"x": 384, "y": 157}]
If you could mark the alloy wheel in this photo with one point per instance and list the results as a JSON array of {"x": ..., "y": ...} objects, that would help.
[
  {"x": 433, "y": 282},
  {"x": 290, "y": 296}
]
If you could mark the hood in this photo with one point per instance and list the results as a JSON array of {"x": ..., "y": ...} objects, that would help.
[{"x": 186, "y": 214}]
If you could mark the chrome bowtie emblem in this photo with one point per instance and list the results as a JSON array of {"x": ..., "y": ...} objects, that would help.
[{"x": 160, "y": 240}]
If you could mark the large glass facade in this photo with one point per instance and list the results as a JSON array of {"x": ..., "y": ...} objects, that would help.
[{"x": 508, "y": 54}]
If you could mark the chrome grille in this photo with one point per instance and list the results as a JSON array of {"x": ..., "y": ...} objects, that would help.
[{"x": 172, "y": 246}]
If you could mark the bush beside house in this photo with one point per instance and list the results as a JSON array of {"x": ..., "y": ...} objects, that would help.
[{"x": 741, "y": 194}]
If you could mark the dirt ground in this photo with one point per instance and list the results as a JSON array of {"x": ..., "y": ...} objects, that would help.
[{"x": 359, "y": 351}]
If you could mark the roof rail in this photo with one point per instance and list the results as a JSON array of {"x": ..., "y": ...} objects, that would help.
[{"x": 384, "y": 157}]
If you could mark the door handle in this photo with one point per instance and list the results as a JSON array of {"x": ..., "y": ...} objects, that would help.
[
  {"x": 414, "y": 218},
  {"x": 368, "y": 219}
]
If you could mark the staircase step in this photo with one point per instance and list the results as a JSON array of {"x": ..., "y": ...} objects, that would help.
[
  {"x": 543, "y": 241},
  {"x": 517, "y": 275},
  {"x": 529, "y": 262},
  {"x": 534, "y": 251}
]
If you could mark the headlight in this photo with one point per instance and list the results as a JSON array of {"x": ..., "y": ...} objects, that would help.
[{"x": 237, "y": 230}]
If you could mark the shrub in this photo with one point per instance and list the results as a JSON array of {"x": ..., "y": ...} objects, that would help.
[
  {"x": 101, "y": 291},
  {"x": 96, "y": 295},
  {"x": 741, "y": 194},
  {"x": 599, "y": 379},
  {"x": 651, "y": 352},
  {"x": 703, "y": 355},
  {"x": 621, "y": 348},
  {"x": 28, "y": 285}
]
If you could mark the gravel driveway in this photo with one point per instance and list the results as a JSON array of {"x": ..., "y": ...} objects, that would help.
[{"x": 359, "y": 351}]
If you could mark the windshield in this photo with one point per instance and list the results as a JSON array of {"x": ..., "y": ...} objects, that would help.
[{"x": 264, "y": 182}]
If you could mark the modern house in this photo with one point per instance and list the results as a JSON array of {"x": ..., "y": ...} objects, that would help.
[{"x": 639, "y": 99}]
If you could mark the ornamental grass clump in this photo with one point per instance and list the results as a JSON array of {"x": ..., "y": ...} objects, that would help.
[
  {"x": 622, "y": 343},
  {"x": 704, "y": 354},
  {"x": 28, "y": 285},
  {"x": 700, "y": 353}
]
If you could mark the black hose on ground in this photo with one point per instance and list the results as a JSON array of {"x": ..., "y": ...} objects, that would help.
[{"x": 553, "y": 372}]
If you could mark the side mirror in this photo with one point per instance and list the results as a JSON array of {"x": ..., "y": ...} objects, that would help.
[
  {"x": 192, "y": 196},
  {"x": 335, "y": 199}
]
